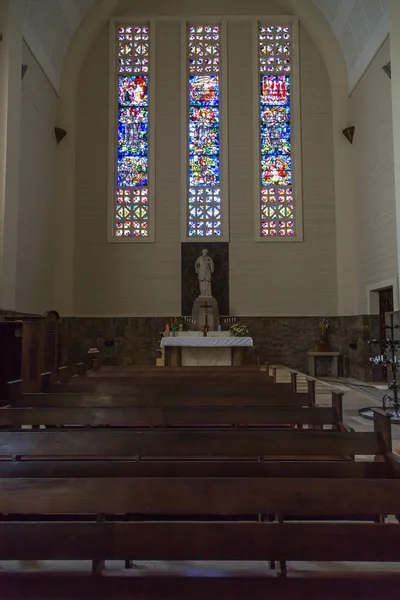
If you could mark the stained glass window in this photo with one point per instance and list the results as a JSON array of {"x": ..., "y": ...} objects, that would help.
[
  {"x": 132, "y": 206},
  {"x": 277, "y": 212},
  {"x": 204, "y": 197}
]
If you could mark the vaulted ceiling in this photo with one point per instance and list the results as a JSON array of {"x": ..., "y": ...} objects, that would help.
[{"x": 360, "y": 27}]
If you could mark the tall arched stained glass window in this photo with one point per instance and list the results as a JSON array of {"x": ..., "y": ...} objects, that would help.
[
  {"x": 277, "y": 195},
  {"x": 204, "y": 217},
  {"x": 132, "y": 172}
]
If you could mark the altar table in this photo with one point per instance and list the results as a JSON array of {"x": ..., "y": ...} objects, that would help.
[{"x": 217, "y": 349}]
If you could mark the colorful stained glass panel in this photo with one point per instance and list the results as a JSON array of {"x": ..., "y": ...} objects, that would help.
[
  {"x": 133, "y": 131},
  {"x": 204, "y": 131},
  {"x": 133, "y": 91},
  {"x": 275, "y": 129},
  {"x": 204, "y": 49},
  {"x": 275, "y": 90},
  {"x": 204, "y": 90},
  {"x": 276, "y": 170},
  {"x": 133, "y": 49},
  {"x": 203, "y": 170},
  {"x": 204, "y": 204},
  {"x": 132, "y": 171},
  {"x": 277, "y": 212},
  {"x": 132, "y": 213},
  {"x": 132, "y": 65},
  {"x": 204, "y": 212}
]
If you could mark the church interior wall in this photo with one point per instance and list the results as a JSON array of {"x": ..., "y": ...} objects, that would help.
[
  {"x": 35, "y": 269},
  {"x": 144, "y": 279},
  {"x": 278, "y": 340},
  {"x": 274, "y": 278},
  {"x": 371, "y": 110}
]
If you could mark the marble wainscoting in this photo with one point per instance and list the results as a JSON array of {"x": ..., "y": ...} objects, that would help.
[
  {"x": 281, "y": 340},
  {"x": 286, "y": 340},
  {"x": 121, "y": 340}
]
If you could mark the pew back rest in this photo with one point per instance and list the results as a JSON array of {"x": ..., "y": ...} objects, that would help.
[{"x": 189, "y": 443}]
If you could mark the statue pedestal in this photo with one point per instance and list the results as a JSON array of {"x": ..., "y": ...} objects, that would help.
[
  {"x": 199, "y": 313},
  {"x": 324, "y": 347}
]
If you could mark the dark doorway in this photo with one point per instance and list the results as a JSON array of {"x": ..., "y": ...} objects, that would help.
[{"x": 385, "y": 306}]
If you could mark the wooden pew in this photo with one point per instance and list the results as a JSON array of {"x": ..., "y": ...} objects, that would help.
[
  {"x": 150, "y": 498},
  {"x": 193, "y": 443},
  {"x": 61, "y": 410},
  {"x": 173, "y": 416},
  {"x": 167, "y": 393},
  {"x": 110, "y": 399},
  {"x": 179, "y": 585},
  {"x": 136, "y": 371},
  {"x": 81, "y": 468}
]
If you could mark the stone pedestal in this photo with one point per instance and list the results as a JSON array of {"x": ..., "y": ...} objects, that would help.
[
  {"x": 199, "y": 313},
  {"x": 314, "y": 357}
]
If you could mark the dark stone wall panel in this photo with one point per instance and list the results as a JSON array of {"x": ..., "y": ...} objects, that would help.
[
  {"x": 279, "y": 340},
  {"x": 219, "y": 252}
]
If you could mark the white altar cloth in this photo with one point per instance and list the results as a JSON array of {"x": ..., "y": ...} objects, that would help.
[{"x": 206, "y": 342}]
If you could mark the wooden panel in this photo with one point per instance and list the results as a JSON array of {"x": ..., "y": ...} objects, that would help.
[
  {"x": 187, "y": 443},
  {"x": 176, "y": 468},
  {"x": 32, "y": 356},
  {"x": 156, "y": 417},
  {"x": 200, "y": 496},
  {"x": 11, "y": 354},
  {"x": 182, "y": 584},
  {"x": 114, "y": 399},
  {"x": 168, "y": 387},
  {"x": 138, "y": 370},
  {"x": 200, "y": 541}
]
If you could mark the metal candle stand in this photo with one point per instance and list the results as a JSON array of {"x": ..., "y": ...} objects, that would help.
[{"x": 389, "y": 360}]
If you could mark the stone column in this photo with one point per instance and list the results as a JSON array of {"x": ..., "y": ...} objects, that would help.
[
  {"x": 395, "y": 66},
  {"x": 11, "y": 15}
]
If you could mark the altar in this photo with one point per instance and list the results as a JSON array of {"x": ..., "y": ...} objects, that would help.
[{"x": 193, "y": 349}]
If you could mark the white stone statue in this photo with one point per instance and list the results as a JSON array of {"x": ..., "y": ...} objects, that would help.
[{"x": 204, "y": 267}]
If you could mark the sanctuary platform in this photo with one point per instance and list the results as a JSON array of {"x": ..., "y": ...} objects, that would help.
[{"x": 192, "y": 348}]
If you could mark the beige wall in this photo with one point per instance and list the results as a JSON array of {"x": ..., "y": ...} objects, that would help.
[
  {"x": 371, "y": 108},
  {"x": 265, "y": 278},
  {"x": 36, "y": 218},
  {"x": 282, "y": 278}
]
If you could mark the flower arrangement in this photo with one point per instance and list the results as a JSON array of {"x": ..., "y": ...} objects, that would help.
[
  {"x": 239, "y": 330},
  {"x": 174, "y": 324}
]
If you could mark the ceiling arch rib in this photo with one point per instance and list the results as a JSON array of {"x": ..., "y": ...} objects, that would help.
[{"x": 360, "y": 26}]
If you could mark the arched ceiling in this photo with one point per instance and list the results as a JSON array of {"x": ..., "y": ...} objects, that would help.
[{"x": 360, "y": 26}]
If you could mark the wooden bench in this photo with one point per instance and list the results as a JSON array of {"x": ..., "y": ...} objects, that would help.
[
  {"x": 152, "y": 371},
  {"x": 181, "y": 585},
  {"x": 78, "y": 467},
  {"x": 193, "y": 443},
  {"x": 172, "y": 416},
  {"x": 150, "y": 537},
  {"x": 72, "y": 394}
]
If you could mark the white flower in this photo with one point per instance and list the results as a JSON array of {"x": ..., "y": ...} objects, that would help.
[{"x": 239, "y": 330}]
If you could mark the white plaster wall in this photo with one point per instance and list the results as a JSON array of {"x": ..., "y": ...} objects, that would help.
[
  {"x": 36, "y": 232},
  {"x": 140, "y": 279},
  {"x": 272, "y": 278},
  {"x": 371, "y": 108},
  {"x": 144, "y": 279}
]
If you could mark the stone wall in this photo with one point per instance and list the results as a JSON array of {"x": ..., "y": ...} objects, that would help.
[{"x": 280, "y": 340}]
